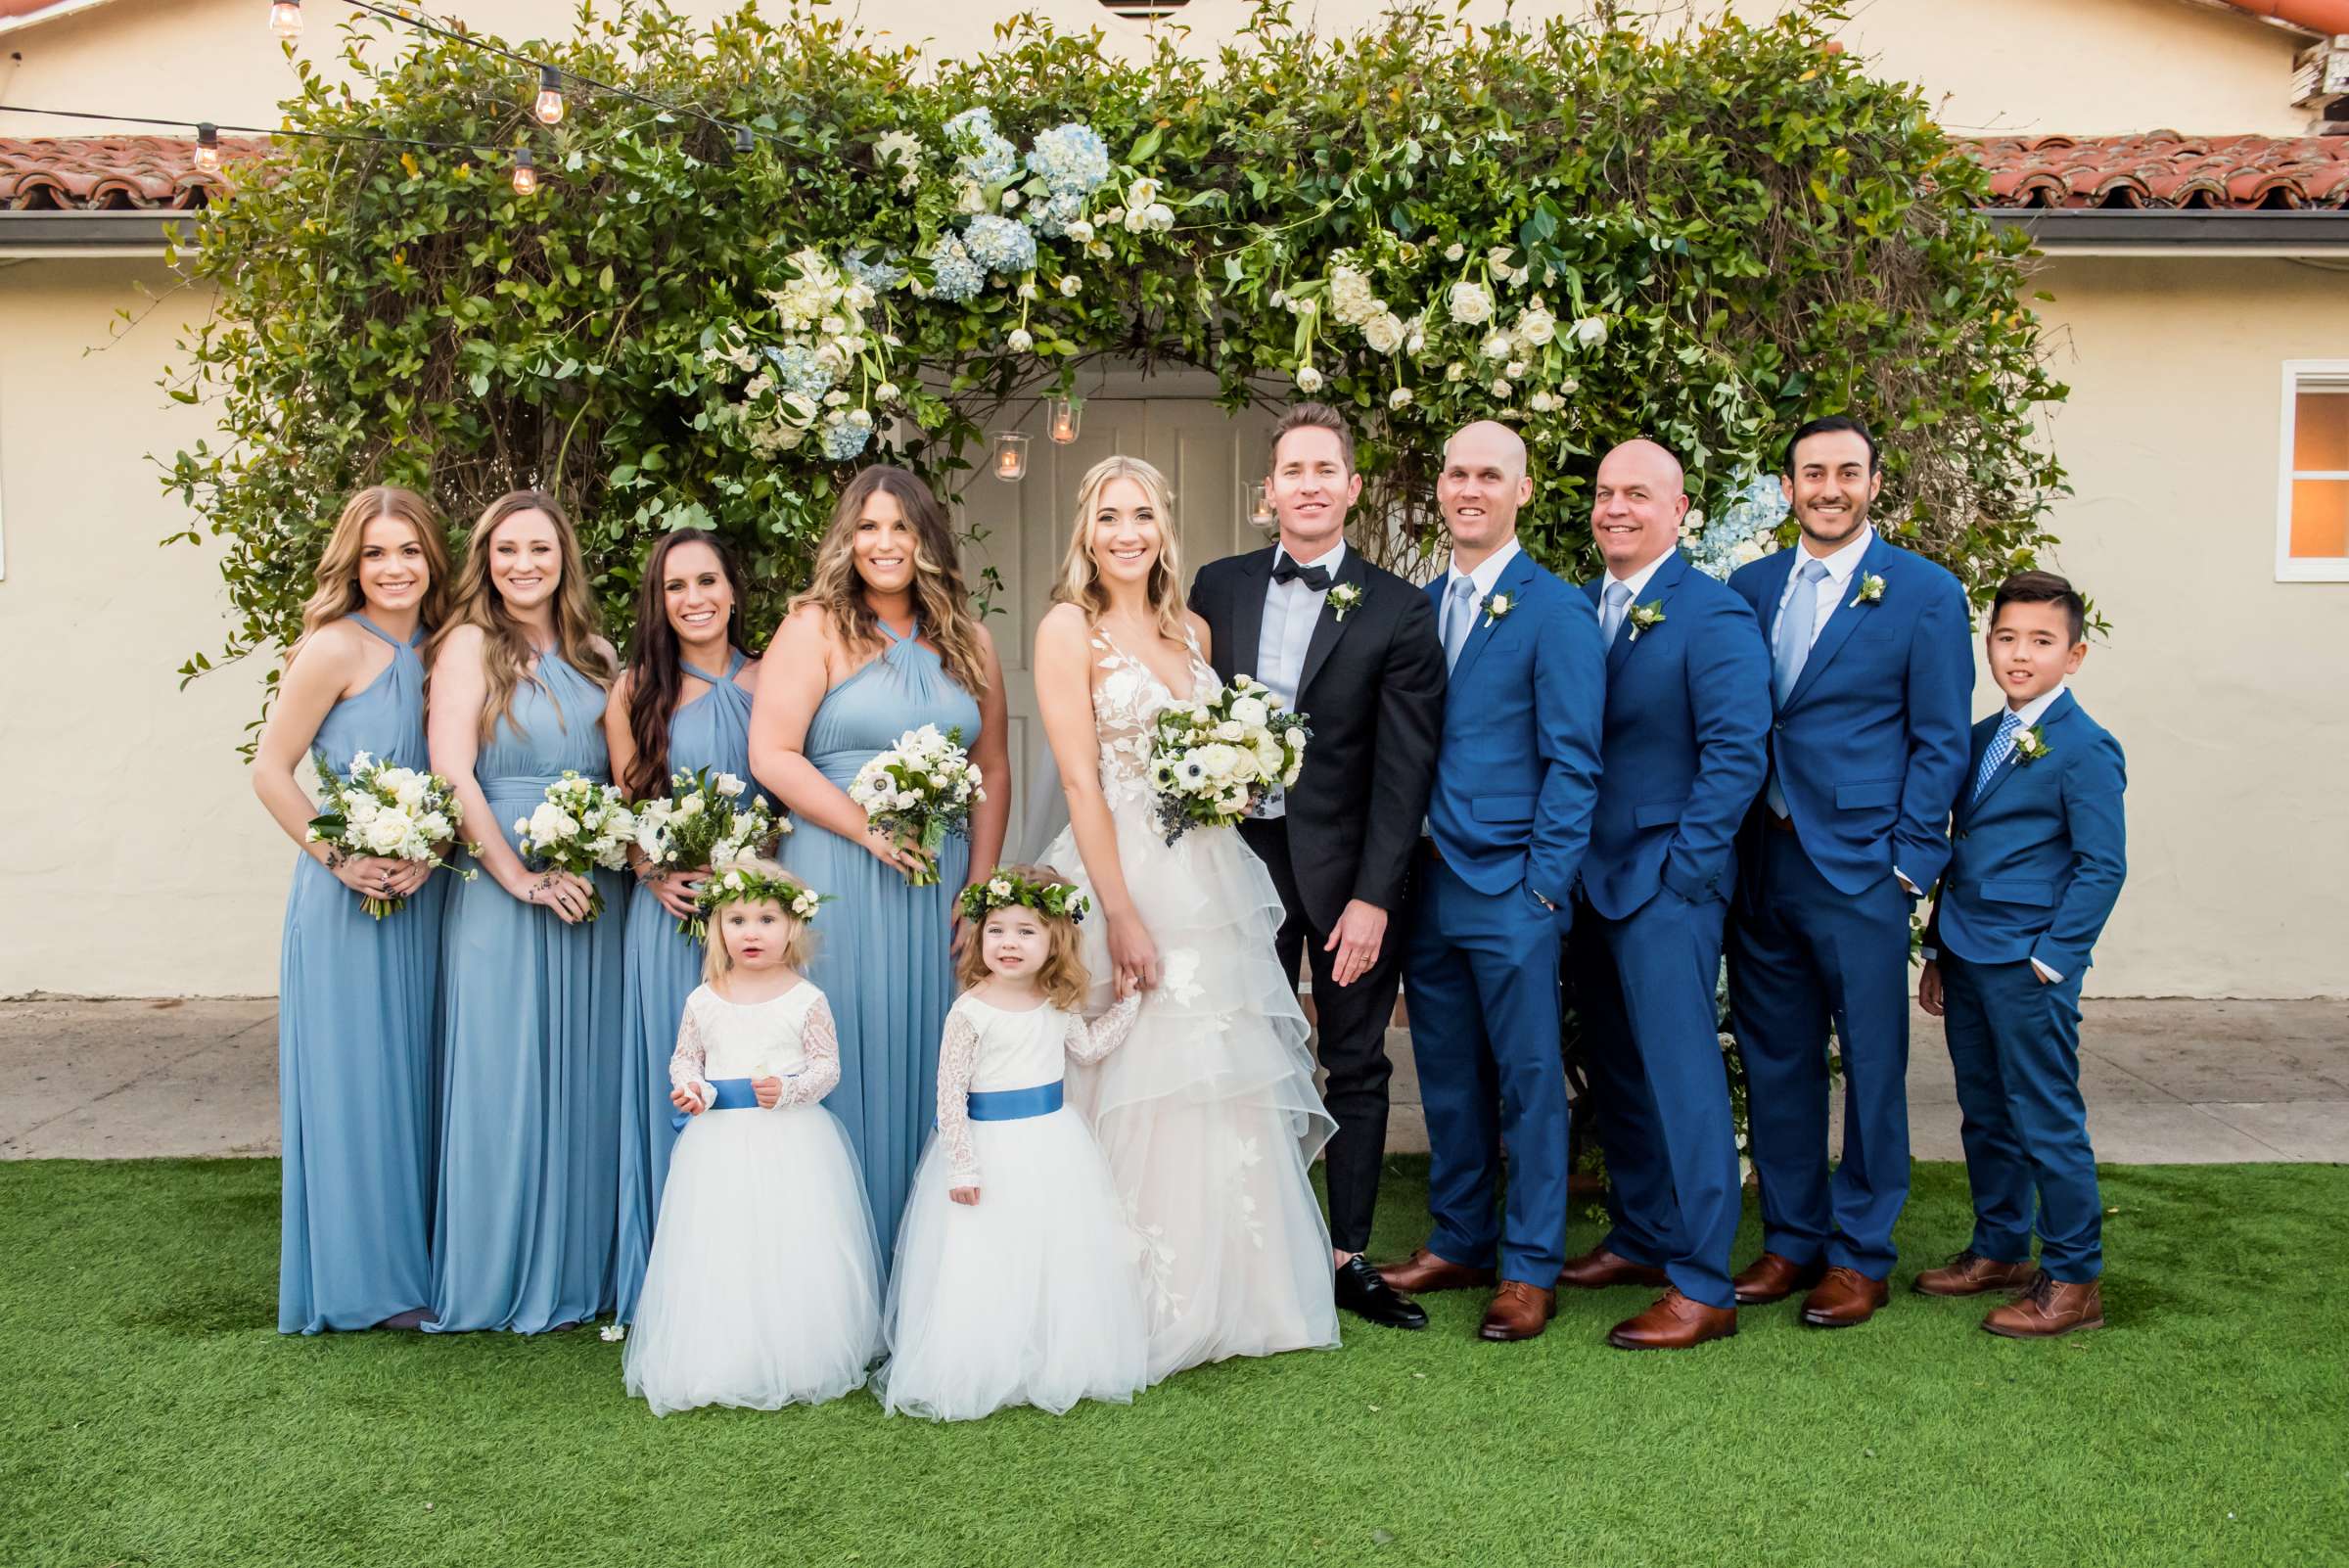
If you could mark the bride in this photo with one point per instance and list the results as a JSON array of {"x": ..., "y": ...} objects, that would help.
[{"x": 1208, "y": 1113}]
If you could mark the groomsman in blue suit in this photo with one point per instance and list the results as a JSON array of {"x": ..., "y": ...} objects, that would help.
[
  {"x": 2040, "y": 854},
  {"x": 1872, "y": 674},
  {"x": 1688, "y": 738},
  {"x": 1516, "y": 777}
]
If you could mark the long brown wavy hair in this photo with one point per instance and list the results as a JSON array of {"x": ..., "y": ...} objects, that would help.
[
  {"x": 939, "y": 599},
  {"x": 1061, "y": 980},
  {"x": 656, "y": 674},
  {"x": 1080, "y": 581},
  {"x": 506, "y": 654},
  {"x": 338, "y": 594}
]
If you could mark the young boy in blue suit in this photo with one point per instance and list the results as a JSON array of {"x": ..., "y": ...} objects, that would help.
[{"x": 2036, "y": 865}]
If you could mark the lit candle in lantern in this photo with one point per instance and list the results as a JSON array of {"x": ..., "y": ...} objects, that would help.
[
  {"x": 1259, "y": 507},
  {"x": 1011, "y": 455},
  {"x": 1066, "y": 413}
]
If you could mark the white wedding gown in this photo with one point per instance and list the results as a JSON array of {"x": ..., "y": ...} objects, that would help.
[{"x": 1208, "y": 1112}]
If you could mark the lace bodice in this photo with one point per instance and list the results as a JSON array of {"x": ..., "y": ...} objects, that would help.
[
  {"x": 988, "y": 1049},
  {"x": 790, "y": 1036},
  {"x": 1126, "y": 701}
]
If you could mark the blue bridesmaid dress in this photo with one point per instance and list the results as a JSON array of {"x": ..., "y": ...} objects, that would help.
[
  {"x": 530, "y": 1010},
  {"x": 711, "y": 731},
  {"x": 357, "y": 1003},
  {"x": 884, "y": 949}
]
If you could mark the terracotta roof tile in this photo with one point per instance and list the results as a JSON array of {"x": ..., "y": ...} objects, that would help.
[
  {"x": 126, "y": 172},
  {"x": 2164, "y": 169}
]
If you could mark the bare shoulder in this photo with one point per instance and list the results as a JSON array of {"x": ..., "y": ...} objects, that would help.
[
  {"x": 1063, "y": 625},
  {"x": 623, "y": 685},
  {"x": 603, "y": 645},
  {"x": 461, "y": 644},
  {"x": 1199, "y": 629},
  {"x": 806, "y": 626}
]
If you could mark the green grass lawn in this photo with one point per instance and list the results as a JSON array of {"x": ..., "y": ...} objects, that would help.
[{"x": 151, "y": 1416}]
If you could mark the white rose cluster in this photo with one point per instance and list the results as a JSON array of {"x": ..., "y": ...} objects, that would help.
[
  {"x": 919, "y": 791},
  {"x": 1215, "y": 760},
  {"x": 374, "y": 808}
]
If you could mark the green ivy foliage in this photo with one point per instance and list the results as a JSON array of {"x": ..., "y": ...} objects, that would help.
[{"x": 1729, "y": 230}]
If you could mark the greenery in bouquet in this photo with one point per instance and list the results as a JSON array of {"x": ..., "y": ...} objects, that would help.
[
  {"x": 373, "y": 807},
  {"x": 1215, "y": 759},
  {"x": 580, "y": 826},
  {"x": 705, "y": 825},
  {"x": 920, "y": 792}
]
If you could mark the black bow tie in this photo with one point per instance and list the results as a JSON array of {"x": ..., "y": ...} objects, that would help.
[{"x": 1316, "y": 577}]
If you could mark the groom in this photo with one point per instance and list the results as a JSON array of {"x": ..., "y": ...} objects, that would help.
[{"x": 1354, "y": 648}]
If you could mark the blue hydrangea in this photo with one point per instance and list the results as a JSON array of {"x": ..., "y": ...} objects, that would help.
[
  {"x": 845, "y": 440},
  {"x": 955, "y": 276},
  {"x": 1755, "y": 510},
  {"x": 1071, "y": 160},
  {"x": 802, "y": 370},
  {"x": 981, "y": 152},
  {"x": 1052, "y": 216},
  {"x": 878, "y": 276},
  {"x": 998, "y": 243}
]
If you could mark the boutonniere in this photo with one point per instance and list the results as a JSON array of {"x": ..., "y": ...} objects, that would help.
[
  {"x": 1871, "y": 589},
  {"x": 2030, "y": 746},
  {"x": 1496, "y": 606},
  {"x": 1343, "y": 598},
  {"x": 1645, "y": 616}
]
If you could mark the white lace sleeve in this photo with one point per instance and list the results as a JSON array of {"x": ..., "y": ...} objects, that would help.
[
  {"x": 957, "y": 1061},
  {"x": 1090, "y": 1042},
  {"x": 686, "y": 1064},
  {"x": 819, "y": 1037}
]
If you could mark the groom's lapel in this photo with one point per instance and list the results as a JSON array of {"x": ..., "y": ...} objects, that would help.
[
  {"x": 1248, "y": 613},
  {"x": 1480, "y": 631},
  {"x": 1329, "y": 629}
]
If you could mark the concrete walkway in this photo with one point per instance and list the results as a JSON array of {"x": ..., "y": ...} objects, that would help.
[{"x": 2182, "y": 1082}]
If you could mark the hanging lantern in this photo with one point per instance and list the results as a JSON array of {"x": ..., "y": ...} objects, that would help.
[
  {"x": 1065, "y": 414},
  {"x": 1010, "y": 455},
  {"x": 549, "y": 107},
  {"x": 526, "y": 172},
  {"x": 284, "y": 17},
  {"x": 1259, "y": 507},
  {"x": 208, "y": 146}
]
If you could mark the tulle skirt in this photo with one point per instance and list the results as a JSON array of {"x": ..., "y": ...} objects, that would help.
[
  {"x": 1027, "y": 1297},
  {"x": 1208, "y": 1111},
  {"x": 764, "y": 1288}
]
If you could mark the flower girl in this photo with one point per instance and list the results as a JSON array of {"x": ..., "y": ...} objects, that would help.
[
  {"x": 764, "y": 1288},
  {"x": 1017, "y": 1276}
]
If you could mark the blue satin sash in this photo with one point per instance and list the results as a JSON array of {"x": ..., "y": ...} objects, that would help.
[
  {"x": 734, "y": 1094},
  {"x": 1013, "y": 1105}
]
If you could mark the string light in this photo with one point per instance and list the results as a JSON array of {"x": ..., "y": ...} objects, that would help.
[
  {"x": 208, "y": 146},
  {"x": 549, "y": 107},
  {"x": 284, "y": 17},
  {"x": 526, "y": 172},
  {"x": 743, "y": 141}
]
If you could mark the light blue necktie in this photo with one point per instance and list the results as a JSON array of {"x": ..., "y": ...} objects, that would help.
[
  {"x": 1459, "y": 614},
  {"x": 1792, "y": 649},
  {"x": 1999, "y": 744},
  {"x": 1619, "y": 599}
]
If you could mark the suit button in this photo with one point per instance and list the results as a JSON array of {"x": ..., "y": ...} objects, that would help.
[{"x": 1778, "y": 723}]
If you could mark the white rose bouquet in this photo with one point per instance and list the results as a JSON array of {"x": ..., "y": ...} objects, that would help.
[
  {"x": 704, "y": 821},
  {"x": 376, "y": 809},
  {"x": 580, "y": 825},
  {"x": 1216, "y": 758},
  {"x": 918, "y": 792}
]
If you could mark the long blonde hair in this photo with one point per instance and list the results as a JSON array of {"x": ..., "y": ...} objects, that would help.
[
  {"x": 941, "y": 602},
  {"x": 798, "y": 947},
  {"x": 339, "y": 593},
  {"x": 506, "y": 654},
  {"x": 1061, "y": 980},
  {"x": 1080, "y": 581}
]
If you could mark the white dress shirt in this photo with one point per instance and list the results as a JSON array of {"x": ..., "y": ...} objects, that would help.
[
  {"x": 2030, "y": 714},
  {"x": 1488, "y": 573},
  {"x": 1637, "y": 582},
  {"x": 1291, "y": 612}
]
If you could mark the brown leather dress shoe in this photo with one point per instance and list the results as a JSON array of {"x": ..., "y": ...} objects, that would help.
[
  {"x": 1771, "y": 1277},
  {"x": 1423, "y": 1271},
  {"x": 2050, "y": 1308},
  {"x": 1969, "y": 1274},
  {"x": 1673, "y": 1322},
  {"x": 1845, "y": 1297},
  {"x": 1598, "y": 1268},
  {"x": 1519, "y": 1311}
]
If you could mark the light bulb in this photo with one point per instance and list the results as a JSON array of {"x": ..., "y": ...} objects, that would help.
[
  {"x": 208, "y": 146},
  {"x": 284, "y": 17},
  {"x": 549, "y": 107},
  {"x": 526, "y": 172}
]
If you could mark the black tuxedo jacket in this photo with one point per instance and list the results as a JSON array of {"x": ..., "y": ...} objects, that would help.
[{"x": 1372, "y": 689}]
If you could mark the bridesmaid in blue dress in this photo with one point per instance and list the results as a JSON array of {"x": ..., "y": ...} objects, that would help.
[
  {"x": 881, "y": 642},
  {"x": 531, "y": 986},
  {"x": 357, "y": 995},
  {"x": 683, "y": 704}
]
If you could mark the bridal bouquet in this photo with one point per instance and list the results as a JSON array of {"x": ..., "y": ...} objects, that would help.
[
  {"x": 375, "y": 808},
  {"x": 918, "y": 792},
  {"x": 1215, "y": 759},
  {"x": 580, "y": 825},
  {"x": 702, "y": 822}
]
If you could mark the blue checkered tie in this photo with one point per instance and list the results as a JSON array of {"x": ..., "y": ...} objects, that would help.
[{"x": 1999, "y": 744}]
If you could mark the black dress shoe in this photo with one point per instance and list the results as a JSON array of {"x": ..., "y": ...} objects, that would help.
[{"x": 1361, "y": 1292}]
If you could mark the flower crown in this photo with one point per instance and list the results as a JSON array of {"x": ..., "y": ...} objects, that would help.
[
  {"x": 750, "y": 885},
  {"x": 1054, "y": 901}
]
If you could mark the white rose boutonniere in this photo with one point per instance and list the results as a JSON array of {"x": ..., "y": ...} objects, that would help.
[
  {"x": 1496, "y": 606},
  {"x": 1871, "y": 590},
  {"x": 2030, "y": 746},
  {"x": 1343, "y": 598},
  {"x": 1645, "y": 616}
]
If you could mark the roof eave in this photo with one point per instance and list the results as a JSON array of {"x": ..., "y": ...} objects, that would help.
[
  {"x": 59, "y": 235},
  {"x": 52, "y": 13},
  {"x": 2172, "y": 232}
]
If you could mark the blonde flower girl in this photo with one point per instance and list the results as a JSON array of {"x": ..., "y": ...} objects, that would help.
[
  {"x": 1016, "y": 1279},
  {"x": 764, "y": 1288}
]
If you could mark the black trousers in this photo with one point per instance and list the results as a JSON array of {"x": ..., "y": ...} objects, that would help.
[{"x": 1352, "y": 1021}]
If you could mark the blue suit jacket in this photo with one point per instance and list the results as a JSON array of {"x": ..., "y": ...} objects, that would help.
[
  {"x": 1517, "y": 769},
  {"x": 2041, "y": 853},
  {"x": 1687, "y": 746},
  {"x": 1871, "y": 744}
]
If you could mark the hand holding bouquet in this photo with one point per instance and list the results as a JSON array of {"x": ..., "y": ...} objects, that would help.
[
  {"x": 580, "y": 825},
  {"x": 704, "y": 824},
  {"x": 918, "y": 792},
  {"x": 375, "y": 808},
  {"x": 1216, "y": 758}
]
